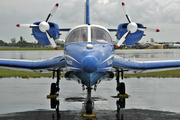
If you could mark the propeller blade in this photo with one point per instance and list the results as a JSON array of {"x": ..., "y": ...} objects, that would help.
[
  {"x": 52, "y": 12},
  {"x": 122, "y": 39},
  {"x": 126, "y": 12},
  {"x": 148, "y": 29},
  {"x": 51, "y": 40},
  {"x": 27, "y": 25}
]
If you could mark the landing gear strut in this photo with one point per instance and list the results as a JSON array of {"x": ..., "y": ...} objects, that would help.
[
  {"x": 121, "y": 102},
  {"x": 120, "y": 85},
  {"x": 54, "y": 91},
  {"x": 89, "y": 104}
]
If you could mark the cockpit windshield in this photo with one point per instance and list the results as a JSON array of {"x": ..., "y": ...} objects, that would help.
[
  {"x": 100, "y": 35},
  {"x": 78, "y": 35}
]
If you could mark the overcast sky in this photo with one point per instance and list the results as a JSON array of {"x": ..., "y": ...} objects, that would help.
[{"x": 162, "y": 14}]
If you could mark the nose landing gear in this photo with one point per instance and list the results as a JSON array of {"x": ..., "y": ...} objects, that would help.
[{"x": 89, "y": 105}]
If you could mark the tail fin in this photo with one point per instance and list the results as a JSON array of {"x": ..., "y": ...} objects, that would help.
[
  {"x": 152, "y": 41},
  {"x": 87, "y": 17}
]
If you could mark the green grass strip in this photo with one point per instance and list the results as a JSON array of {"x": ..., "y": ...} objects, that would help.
[
  {"x": 24, "y": 74},
  {"x": 160, "y": 74}
]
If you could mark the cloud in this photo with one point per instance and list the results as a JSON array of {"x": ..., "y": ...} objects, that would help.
[
  {"x": 148, "y": 11},
  {"x": 169, "y": 12},
  {"x": 163, "y": 14}
]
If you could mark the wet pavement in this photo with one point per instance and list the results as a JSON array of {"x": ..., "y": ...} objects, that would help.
[
  {"x": 149, "y": 54},
  {"x": 128, "y": 114},
  {"x": 151, "y": 99},
  {"x": 138, "y": 55}
]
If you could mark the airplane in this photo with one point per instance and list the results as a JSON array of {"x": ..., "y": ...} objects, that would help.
[
  {"x": 142, "y": 45},
  {"x": 138, "y": 45},
  {"x": 88, "y": 56},
  {"x": 172, "y": 45},
  {"x": 154, "y": 43}
]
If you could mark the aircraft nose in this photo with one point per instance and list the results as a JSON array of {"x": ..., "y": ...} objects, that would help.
[{"x": 89, "y": 64}]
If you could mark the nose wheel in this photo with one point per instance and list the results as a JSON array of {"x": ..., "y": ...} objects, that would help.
[
  {"x": 89, "y": 107},
  {"x": 88, "y": 102}
]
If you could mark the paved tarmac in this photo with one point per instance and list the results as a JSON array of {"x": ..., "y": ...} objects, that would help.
[{"x": 129, "y": 114}]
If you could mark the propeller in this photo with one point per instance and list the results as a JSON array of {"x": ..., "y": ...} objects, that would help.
[
  {"x": 44, "y": 26},
  {"x": 132, "y": 27}
]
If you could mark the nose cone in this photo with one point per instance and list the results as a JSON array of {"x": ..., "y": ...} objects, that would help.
[{"x": 89, "y": 64}]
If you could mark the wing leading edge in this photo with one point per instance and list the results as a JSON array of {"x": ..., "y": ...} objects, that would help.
[
  {"x": 135, "y": 66},
  {"x": 35, "y": 66}
]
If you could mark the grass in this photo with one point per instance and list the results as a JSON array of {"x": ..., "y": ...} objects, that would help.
[
  {"x": 160, "y": 74},
  {"x": 23, "y": 74},
  {"x": 14, "y": 73}
]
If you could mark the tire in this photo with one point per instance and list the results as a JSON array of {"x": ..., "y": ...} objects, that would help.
[
  {"x": 53, "y": 89},
  {"x": 53, "y": 103},
  {"x": 89, "y": 107},
  {"x": 122, "y": 88},
  {"x": 122, "y": 103}
]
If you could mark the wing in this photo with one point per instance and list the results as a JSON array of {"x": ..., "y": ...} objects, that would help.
[
  {"x": 35, "y": 66},
  {"x": 137, "y": 67}
]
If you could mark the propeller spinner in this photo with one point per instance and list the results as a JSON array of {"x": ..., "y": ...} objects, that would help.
[
  {"x": 132, "y": 27},
  {"x": 44, "y": 26}
]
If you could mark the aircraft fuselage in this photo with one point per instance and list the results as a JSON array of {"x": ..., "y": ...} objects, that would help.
[{"x": 89, "y": 53}]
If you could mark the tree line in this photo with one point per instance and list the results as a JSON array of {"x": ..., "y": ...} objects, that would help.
[{"x": 21, "y": 43}]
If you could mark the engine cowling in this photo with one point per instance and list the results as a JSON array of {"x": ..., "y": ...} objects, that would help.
[
  {"x": 42, "y": 37},
  {"x": 132, "y": 38}
]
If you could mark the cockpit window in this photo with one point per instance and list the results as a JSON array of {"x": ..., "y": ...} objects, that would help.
[
  {"x": 100, "y": 35},
  {"x": 77, "y": 35}
]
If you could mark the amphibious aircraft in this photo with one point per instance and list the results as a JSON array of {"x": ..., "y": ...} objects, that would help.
[{"x": 88, "y": 54}]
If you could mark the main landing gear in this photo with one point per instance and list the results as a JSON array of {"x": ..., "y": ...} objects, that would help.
[
  {"x": 54, "y": 93},
  {"x": 121, "y": 102}
]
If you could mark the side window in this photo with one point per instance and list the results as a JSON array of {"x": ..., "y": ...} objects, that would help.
[
  {"x": 100, "y": 35},
  {"x": 77, "y": 35}
]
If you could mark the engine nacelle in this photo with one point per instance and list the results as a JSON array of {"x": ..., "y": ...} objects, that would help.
[
  {"x": 132, "y": 37},
  {"x": 60, "y": 41},
  {"x": 42, "y": 37}
]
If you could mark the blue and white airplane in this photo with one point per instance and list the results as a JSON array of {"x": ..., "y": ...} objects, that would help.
[{"x": 88, "y": 54}]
